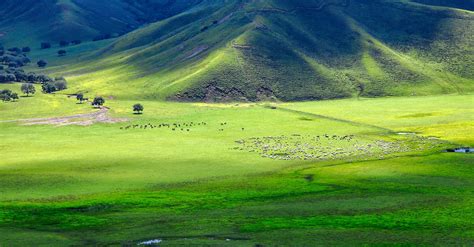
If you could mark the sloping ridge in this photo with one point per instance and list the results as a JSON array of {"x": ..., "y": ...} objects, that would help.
[
  {"x": 289, "y": 50},
  {"x": 55, "y": 20}
]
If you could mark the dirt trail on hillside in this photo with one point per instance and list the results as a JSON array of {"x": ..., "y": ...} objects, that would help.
[{"x": 85, "y": 119}]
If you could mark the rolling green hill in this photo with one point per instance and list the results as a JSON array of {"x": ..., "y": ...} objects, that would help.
[
  {"x": 32, "y": 21},
  {"x": 289, "y": 50},
  {"x": 249, "y": 50}
]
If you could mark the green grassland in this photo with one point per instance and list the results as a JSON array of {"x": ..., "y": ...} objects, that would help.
[
  {"x": 107, "y": 185},
  {"x": 258, "y": 170}
]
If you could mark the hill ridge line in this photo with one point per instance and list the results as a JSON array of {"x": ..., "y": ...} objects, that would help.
[{"x": 323, "y": 5}]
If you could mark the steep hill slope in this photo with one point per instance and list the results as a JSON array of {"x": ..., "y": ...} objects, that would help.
[
  {"x": 28, "y": 22},
  {"x": 221, "y": 50}
]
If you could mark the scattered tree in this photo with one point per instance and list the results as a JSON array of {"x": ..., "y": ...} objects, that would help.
[
  {"x": 7, "y": 77},
  {"x": 14, "y": 96},
  {"x": 53, "y": 86},
  {"x": 6, "y": 95},
  {"x": 80, "y": 97},
  {"x": 49, "y": 87},
  {"x": 98, "y": 101},
  {"x": 45, "y": 45},
  {"x": 63, "y": 43},
  {"x": 60, "y": 85},
  {"x": 62, "y": 53},
  {"x": 138, "y": 108},
  {"x": 76, "y": 42},
  {"x": 28, "y": 88},
  {"x": 42, "y": 63},
  {"x": 15, "y": 50},
  {"x": 102, "y": 37},
  {"x": 26, "y": 49}
]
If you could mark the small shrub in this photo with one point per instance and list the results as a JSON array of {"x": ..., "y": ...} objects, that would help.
[
  {"x": 63, "y": 43},
  {"x": 80, "y": 97},
  {"x": 98, "y": 101},
  {"x": 60, "y": 85},
  {"x": 6, "y": 95},
  {"x": 62, "y": 53},
  {"x": 15, "y": 50},
  {"x": 48, "y": 87},
  {"x": 45, "y": 45},
  {"x": 42, "y": 63}
]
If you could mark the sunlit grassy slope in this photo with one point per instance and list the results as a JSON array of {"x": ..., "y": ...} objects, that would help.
[
  {"x": 443, "y": 117},
  {"x": 289, "y": 50}
]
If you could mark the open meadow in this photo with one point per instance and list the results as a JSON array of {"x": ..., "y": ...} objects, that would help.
[
  {"x": 238, "y": 174},
  {"x": 236, "y": 123}
]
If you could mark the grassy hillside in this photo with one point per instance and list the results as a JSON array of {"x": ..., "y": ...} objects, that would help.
[
  {"x": 289, "y": 50},
  {"x": 30, "y": 22},
  {"x": 461, "y": 4}
]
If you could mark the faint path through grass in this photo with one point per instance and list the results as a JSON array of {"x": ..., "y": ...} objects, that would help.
[
  {"x": 314, "y": 115},
  {"x": 100, "y": 116}
]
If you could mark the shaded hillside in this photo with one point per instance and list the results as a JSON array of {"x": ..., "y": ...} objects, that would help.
[
  {"x": 289, "y": 50},
  {"x": 461, "y": 4},
  {"x": 28, "y": 22}
]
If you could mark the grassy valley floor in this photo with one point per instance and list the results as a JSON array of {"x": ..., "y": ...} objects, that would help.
[{"x": 289, "y": 174}]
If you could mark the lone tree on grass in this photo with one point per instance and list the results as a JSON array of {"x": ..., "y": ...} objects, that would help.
[
  {"x": 28, "y": 88},
  {"x": 138, "y": 108},
  {"x": 42, "y": 63},
  {"x": 98, "y": 101},
  {"x": 80, "y": 97}
]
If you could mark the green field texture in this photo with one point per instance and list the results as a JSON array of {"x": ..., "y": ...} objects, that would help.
[
  {"x": 223, "y": 180},
  {"x": 103, "y": 185}
]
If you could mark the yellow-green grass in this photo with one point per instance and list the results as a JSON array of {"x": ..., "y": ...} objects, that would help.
[
  {"x": 105, "y": 158},
  {"x": 449, "y": 117},
  {"x": 102, "y": 185},
  {"x": 39, "y": 105}
]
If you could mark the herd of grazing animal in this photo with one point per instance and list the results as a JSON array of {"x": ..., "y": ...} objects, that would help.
[
  {"x": 186, "y": 127},
  {"x": 329, "y": 147},
  {"x": 171, "y": 126},
  {"x": 307, "y": 147}
]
